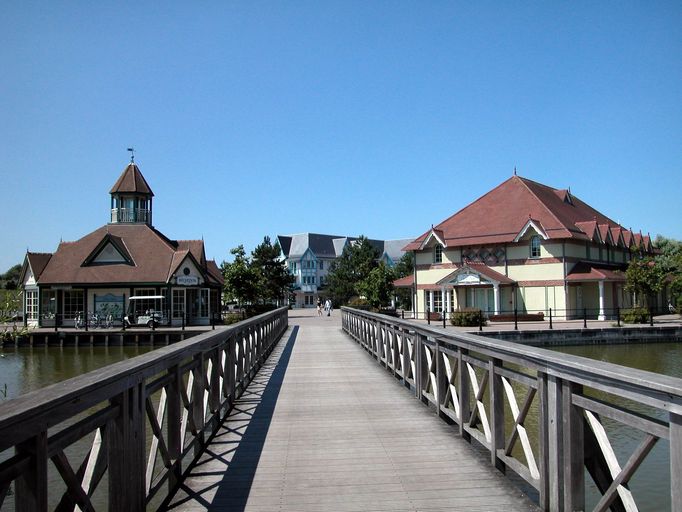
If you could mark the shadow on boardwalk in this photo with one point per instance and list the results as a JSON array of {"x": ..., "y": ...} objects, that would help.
[{"x": 228, "y": 466}]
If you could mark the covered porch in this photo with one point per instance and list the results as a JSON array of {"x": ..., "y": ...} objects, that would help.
[{"x": 596, "y": 291}]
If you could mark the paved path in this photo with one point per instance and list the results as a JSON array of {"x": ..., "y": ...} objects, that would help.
[{"x": 324, "y": 428}]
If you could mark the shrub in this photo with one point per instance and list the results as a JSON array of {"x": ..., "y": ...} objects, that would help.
[
  {"x": 360, "y": 303},
  {"x": 469, "y": 317},
  {"x": 232, "y": 318},
  {"x": 635, "y": 316}
]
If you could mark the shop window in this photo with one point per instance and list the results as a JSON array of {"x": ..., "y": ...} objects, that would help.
[
  {"x": 535, "y": 246},
  {"x": 438, "y": 254},
  {"x": 48, "y": 300},
  {"x": 178, "y": 303},
  {"x": 74, "y": 302}
]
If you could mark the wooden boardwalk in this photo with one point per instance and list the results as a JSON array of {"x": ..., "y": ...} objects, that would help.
[{"x": 322, "y": 427}]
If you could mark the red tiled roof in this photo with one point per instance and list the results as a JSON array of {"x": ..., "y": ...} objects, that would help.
[
  {"x": 584, "y": 271},
  {"x": 404, "y": 282},
  {"x": 152, "y": 253},
  {"x": 499, "y": 215},
  {"x": 131, "y": 180}
]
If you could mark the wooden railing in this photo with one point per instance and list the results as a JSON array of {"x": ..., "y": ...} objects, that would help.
[
  {"x": 561, "y": 426},
  {"x": 137, "y": 424}
]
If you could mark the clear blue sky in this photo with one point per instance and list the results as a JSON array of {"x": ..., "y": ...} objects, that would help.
[{"x": 377, "y": 118}]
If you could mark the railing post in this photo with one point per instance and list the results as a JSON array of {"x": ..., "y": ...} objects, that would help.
[
  {"x": 550, "y": 319},
  {"x": 584, "y": 318},
  {"x": 126, "y": 451},
  {"x": 675, "y": 461},
  {"x": 214, "y": 391},
  {"x": 573, "y": 449},
  {"x": 651, "y": 317},
  {"x": 31, "y": 485},
  {"x": 496, "y": 414},
  {"x": 543, "y": 433},
  {"x": 123, "y": 322},
  {"x": 198, "y": 413},
  {"x": 428, "y": 317},
  {"x": 516, "y": 319},
  {"x": 407, "y": 361},
  {"x": 618, "y": 316},
  {"x": 184, "y": 321},
  {"x": 441, "y": 381},
  {"x": 464, "y": 386},
  {"x": 555, "y": 458},
  {"x": 443, "y": 315},
  {"x": 418, "y": 366},
  {"x": 174, "y": 418}
]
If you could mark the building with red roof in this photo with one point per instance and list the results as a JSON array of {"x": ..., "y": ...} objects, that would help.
[
  {"x": 528, "y": 247},
  {"x": 125, "y": 258}
]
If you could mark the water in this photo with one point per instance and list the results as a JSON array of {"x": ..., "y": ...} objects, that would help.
[
  {"x": 24, "y": 369},
  {"x": 651, "y": 483}
]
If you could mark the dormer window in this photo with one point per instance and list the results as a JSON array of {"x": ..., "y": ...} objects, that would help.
[
  {"x": 438, "y": 253},
  {"x": 535, "y": 246}
]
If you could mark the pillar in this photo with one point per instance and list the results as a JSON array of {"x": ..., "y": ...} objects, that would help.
[
  {"x": 496, "y": 297},
  {"x": 431, "y": 301},
  {"x": 602, "y": 316}
]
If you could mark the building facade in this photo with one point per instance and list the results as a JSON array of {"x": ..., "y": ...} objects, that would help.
[
  {"x": 309, "y": 257},
  {"x": 125, "y": 258},
  {"x": 527, "y": 247}
]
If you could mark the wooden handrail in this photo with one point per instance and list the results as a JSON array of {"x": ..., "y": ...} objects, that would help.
[
  {"x": 122, "y": 395},
  {"x": 471, "y": 392}
]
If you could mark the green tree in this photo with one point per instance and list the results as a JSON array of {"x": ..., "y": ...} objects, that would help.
[
  {"x": 357, "y": 260},
  {"x": 404, "y": 268},
  {"x": 378, "y": 287},
  {"x": 241, "y": 280},
  {"x": 670, "y": 260},
  {"x": 274, "y": 280},
  {"x": 10, "y": 279},
  {"x": 645, "y": 277}
]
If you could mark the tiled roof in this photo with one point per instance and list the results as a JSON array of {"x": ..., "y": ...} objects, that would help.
[
  {"x": 331, "y": 246},
  {"x": 38, "y": 261},
  {"x": 131, "y": 180},
  {"x": 499, "y": 215},
  {"x": 404, "y": 282},
  {"x": 584, "y": 271},
  {"x": 152, "y": 253}
]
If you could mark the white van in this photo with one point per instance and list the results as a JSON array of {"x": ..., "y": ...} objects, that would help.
[{"x": 149, "y": 310}]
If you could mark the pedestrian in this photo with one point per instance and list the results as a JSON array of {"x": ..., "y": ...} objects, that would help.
[
  {"x": 328, "y": 307},
  {"x": 319, "y": 307}
]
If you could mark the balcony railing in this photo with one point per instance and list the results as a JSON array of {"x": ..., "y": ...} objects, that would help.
[{"x": 130, "y": 215}]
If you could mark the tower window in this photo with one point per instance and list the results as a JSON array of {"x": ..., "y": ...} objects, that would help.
[{"x": 535, "y": 247}]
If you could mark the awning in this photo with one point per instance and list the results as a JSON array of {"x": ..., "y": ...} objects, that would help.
[{"x": 404, "y": 282}]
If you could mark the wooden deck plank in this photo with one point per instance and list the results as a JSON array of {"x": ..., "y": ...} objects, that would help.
[{"x": 323, "y": 427}]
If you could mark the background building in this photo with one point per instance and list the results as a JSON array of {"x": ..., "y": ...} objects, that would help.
[
  {"x": 527, "y": 246},
  {"x": 309, "y": 257},
  {"x": 126, "y": 257}
]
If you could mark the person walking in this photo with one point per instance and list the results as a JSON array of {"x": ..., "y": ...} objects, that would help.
[
  {"x": 319, "y": 307},
  {"x": 328, "y": 307}
]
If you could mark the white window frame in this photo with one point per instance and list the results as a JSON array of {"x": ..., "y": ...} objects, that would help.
[
  {"x": 535, "y": 248},
  {"x": 32, "y": 304},
  {"x": 438, "y": 253}
]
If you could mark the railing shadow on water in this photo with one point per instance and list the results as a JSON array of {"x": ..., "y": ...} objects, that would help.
[{"x": 238, "y": 445}]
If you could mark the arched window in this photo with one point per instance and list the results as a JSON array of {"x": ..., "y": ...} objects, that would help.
[
  {"x": 438, "y": 254},
  {"x": 535, "y": 246}
]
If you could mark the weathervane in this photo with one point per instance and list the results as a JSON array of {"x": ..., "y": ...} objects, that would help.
[{"x": 132, "y": 155}]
